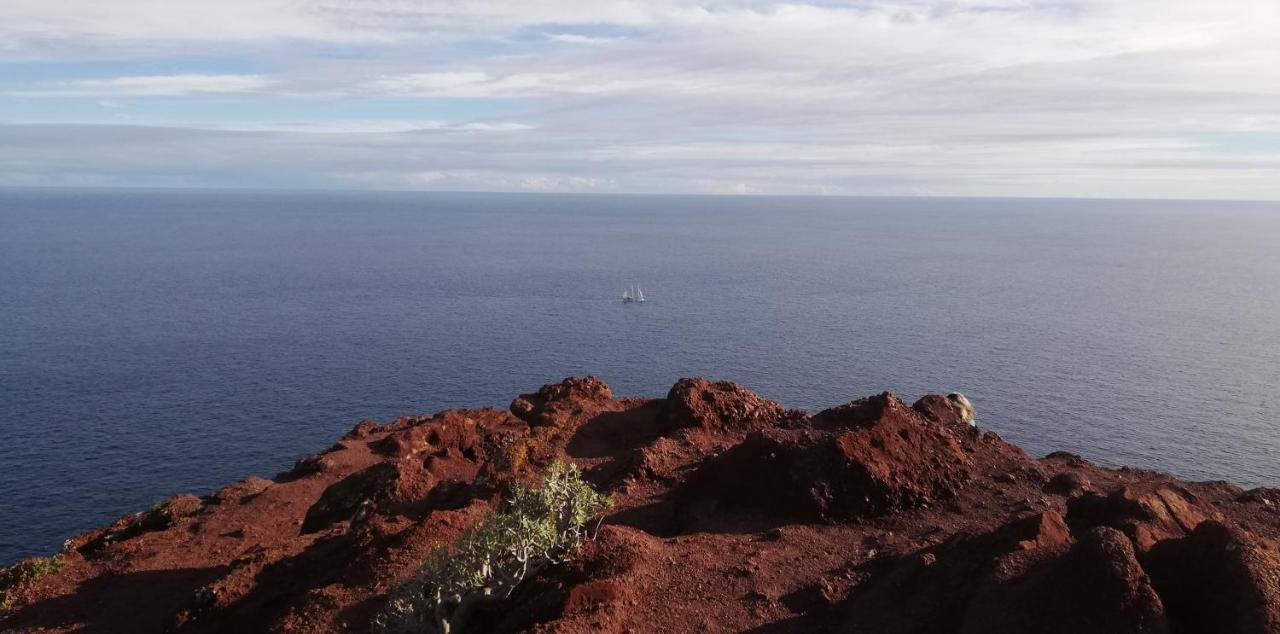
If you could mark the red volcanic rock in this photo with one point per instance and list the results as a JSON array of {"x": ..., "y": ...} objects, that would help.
[
  {"x": 1047, "y": 528},
  {"x": 1147, "y": 516},
  {"x": 1267, "y": 497},
  {"x": 863, "y": 412},
  {"x": 930, "y": 589},
  {"x": 175, "y": 509},
  {"x": 731, "y": 515},
  {"x": 1068, "y": 483},
  {"x": 1027, "y": 576},
  {"x": 433, "y": 465},
  {"x": 240, "y": 492},
  {"x": 164, "y": 515},
  {"x": 596, "y": 592},
  {"x": 1097, "y": 587},
  {"x": 1218, "y": 579},
  {"x": 941, "y": 409},
  {"x": 341, "y": 500},
  {"x": 555, "y": 403},
  {"x": 718, "y": 406},
  {"x": 867, "y": 458},
  {"x": 362, "y": 430}
]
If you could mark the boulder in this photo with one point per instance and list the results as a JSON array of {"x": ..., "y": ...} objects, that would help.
[
  {"x": 1146, "y": 515},
  {"x": 867, "y": 458},
  {"x": 554, "y": 403},
  {"x": 171, "y": 512},
  {"x": 1218, "y": 579},
  {"x": 341, "y": 499},
  {"x": 953, "y": 409},
  {"x": 967, "y": 413},
  {"x": 241, "y": 491},
  {"x": 931, "y": 590},
  {"x": 1067, "y": 483},
  {"x": 718, "y": 406},
  {"x": 1097, "y": 587}
]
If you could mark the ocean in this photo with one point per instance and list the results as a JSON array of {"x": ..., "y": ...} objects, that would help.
[{"x": 162, "y": 341}]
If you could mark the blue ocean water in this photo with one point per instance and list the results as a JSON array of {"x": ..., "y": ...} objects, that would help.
[{"x": 155, "y": 342}]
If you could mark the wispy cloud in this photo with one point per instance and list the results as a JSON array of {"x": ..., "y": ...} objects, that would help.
[
  {"x": 1025, "y": 97},
  {"x": 376, "y": 126},
  {"x": 154, "y": 86}
]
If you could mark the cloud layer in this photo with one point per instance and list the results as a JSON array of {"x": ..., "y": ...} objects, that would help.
[{"x": 1003, "y": 97}]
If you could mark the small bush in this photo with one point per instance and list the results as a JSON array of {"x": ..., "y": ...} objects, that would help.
[
  {"x": 538, "y": 528},
  {"x": 21, "y": 575}
]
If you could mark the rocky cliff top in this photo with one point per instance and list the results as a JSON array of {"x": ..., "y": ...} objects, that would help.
[{"x": 732, "y": 514}]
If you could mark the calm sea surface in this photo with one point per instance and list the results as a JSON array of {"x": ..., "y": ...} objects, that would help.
[{"x": 155, "y": 342}]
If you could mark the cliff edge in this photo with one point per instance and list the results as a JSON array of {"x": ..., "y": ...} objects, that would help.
[{"x": 731, "y": 514}]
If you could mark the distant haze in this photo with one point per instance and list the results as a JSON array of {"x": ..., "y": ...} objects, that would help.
[{"x": 1105, "y": 98}]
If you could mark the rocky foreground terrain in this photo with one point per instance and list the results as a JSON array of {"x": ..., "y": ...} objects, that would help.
[{"x": 732, "y": 514}]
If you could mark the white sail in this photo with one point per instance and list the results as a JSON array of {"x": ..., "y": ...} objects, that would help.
[{"x": 639, "y": 294}]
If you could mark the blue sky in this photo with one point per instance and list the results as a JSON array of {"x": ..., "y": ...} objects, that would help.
[{"x": 1124, "y": 98}]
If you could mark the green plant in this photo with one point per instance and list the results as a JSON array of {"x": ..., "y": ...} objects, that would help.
[
  {"x": 538, "y": 528},
  {"x": 21, "y": 575}
]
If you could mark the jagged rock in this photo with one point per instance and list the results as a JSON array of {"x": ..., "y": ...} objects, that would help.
[
  {"x": 1218, "y": 579},
  {"x": 407, "y": 442},
  {"x": 718, "y": 406},
  {"x": 341, "y": 499},
  {"x": 555, "y": 402},
  {"x": 730, "y": 515},
  {"x": 967, "y": 412},
  {"x": 1146, "y": 516},
  {"x": 594, "y": 592},
  {"x": 409, "y": 488},
  {"x": 952, "y": 409},
  {"x": 938, "y": 409},
  {"x": 362, "y": 430},
  {"x": 1068, "y": 483},
  {"x": 240, "y": 491},
  {"x": 1043, "y": 529},
  {"x": 310, "y": 465},
  {"x": 1026, "y": 576},
  {"x": 1265, "y": 496},
  {"x": 174, "y": 510},
  {"x": 1097, "y": 587},
  {"x": 867, "y": 458},
  {"x": 163, "y": 516},
  {"x": 930, "y": 590},
  {"x": 864, "y": 412}
]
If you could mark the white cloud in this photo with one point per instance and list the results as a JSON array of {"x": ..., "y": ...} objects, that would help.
[
  {"x": 483, "y": 85},
  {"x": 476, "y": 180},
  {"x": 155, "y": 86},
  {"x": 374, "y": 126},
  {"x": 1025, "y": 97},
  {"x": 574, "y": 38},
  {"x": 43, "y": 29}
]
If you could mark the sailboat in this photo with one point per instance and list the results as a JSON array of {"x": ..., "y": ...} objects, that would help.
[{"x": 633, "y": 295}]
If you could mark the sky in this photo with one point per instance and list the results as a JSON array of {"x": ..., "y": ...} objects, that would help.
[{"x": 1089, "y": 98}]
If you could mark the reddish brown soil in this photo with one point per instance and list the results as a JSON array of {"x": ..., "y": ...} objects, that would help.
[{"x": 733, "y": 515}]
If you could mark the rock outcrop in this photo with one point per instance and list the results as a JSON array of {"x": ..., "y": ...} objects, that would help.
[
  {"x": 732, "y": 514},
  {"x": 718, "y": 406},
  {"x": 556, "y": 403},
  {"x": 867, "y": 458}
]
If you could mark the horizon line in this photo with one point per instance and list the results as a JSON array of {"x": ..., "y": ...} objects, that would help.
[{"x": 383, "y": 190}]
